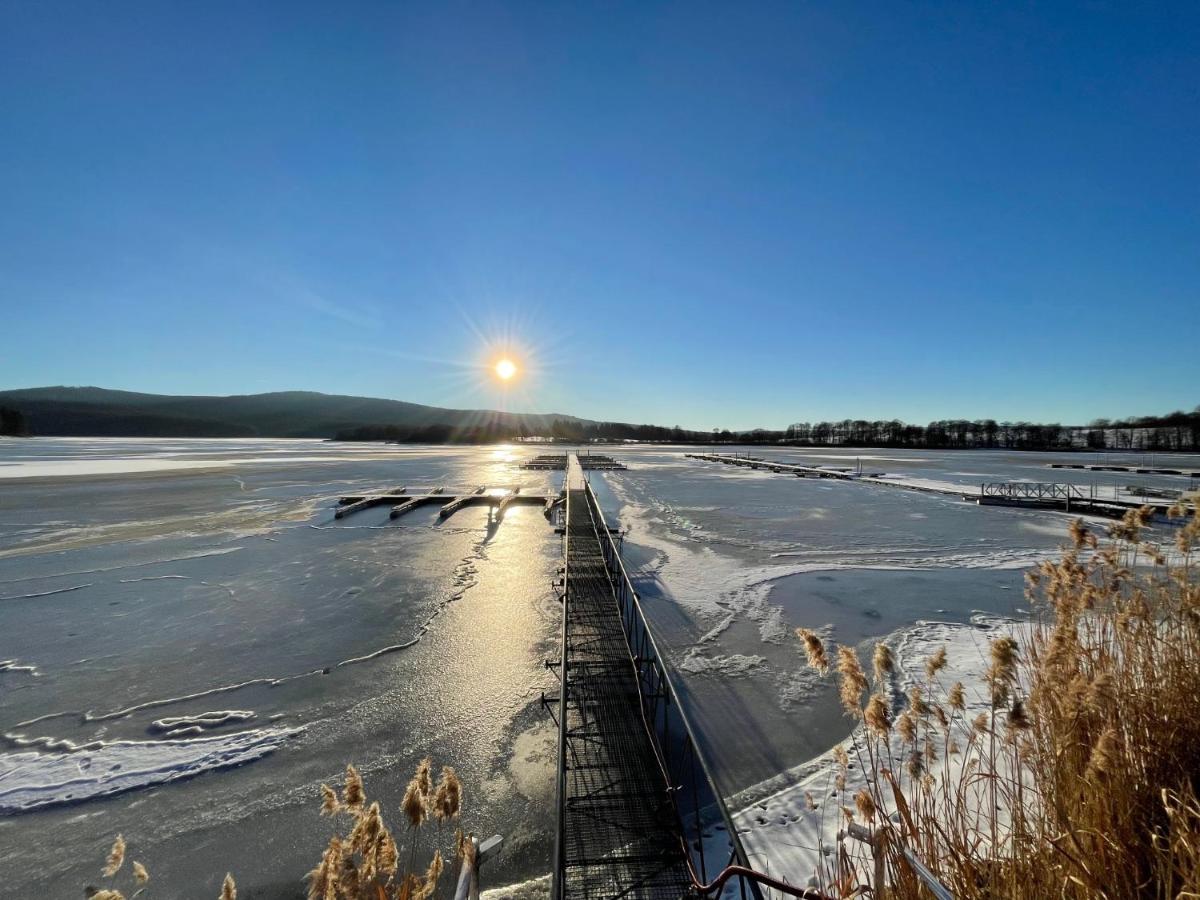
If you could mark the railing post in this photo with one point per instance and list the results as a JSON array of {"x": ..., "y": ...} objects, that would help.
[{"x": 691, "y": 771}]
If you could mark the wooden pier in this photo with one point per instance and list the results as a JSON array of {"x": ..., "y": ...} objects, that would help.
[{"x": 402, "y": 501}]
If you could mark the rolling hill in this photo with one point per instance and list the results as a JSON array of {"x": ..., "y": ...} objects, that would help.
[{"x": 98, "y": 412}]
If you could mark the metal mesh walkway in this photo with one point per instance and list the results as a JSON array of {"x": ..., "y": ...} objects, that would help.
[{"x": 620, "y": 836}]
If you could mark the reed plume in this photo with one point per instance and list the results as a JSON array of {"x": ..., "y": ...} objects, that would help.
[
  {"x": 413, "y": 804},
  {"x": 353, "y": 793},
  {"x": 323, "y": 879},
  {"x": 432, "y": 874},
  {"x": 865, "y": 803},
  {"x": 852, "y": 681},
  {"x": 814, "y": 648},
  {"x": 1090, "y": 791},
  {"x": 228, "y": 888},
  {"x": 1017, "y": 717},
  {"x": 424, "y": 778},
  {"x": 883, "y": 662},
  {"x": 935, "y": 663},
  {"x": 447, "y": 798},
  {"x": 330, "y": 805},
  {"x": 116, "y": 857},
  {"x": 877, "y": 716},
  {"x": 955, "y": 698},
  {"x": 906, "y": 727}
]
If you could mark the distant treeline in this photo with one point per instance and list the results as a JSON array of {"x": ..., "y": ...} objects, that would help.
[
  {"x": 428, "y": 434},
  {"x": 1175, "y": 431},
  {"x": 560, "y": 429},
  {"x": 12, "y": 422}
]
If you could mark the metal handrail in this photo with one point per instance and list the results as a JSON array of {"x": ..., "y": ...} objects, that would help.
[
  {"x": 749, "y": 879},
  {"x": 560, "y": 787},
  {"x": 633, "y": 617}
]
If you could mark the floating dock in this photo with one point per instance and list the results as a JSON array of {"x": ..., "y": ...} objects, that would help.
[
  {"x": 755, "y": 462},
  {"x": 403, "y": 501},
  {"x": 589, "y": 462},
  {"x": 1140, "y": 470},
  {"x": 1067, "y": 497}
]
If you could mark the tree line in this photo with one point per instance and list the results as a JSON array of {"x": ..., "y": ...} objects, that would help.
[
  {"x": 1174, "y": 431},
  {"x": 12, "y": 422},
  {"x": 436, "y": 433}
]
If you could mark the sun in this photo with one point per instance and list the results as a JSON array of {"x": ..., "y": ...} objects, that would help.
[{"x": 505, "y": 369}]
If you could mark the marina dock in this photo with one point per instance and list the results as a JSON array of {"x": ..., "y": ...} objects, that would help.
[
  {"x": 1067, "y": 497},
  {"x": 1139, "y": 470},
  {"x": 588, "y": 462},
  {"x": 402, "y": 501},
  {"x": 756, "y": 462}
]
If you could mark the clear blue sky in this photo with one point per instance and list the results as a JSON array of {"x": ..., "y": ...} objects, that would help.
[{"x": 708, "y": 215}]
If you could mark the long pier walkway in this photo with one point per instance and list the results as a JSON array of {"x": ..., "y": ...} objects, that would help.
[
  {"x": 638, "y": 813},
  {"x": 618, "y": 832}
]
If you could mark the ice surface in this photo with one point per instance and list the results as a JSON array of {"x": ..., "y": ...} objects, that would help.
[{"x": 31, "y": 778}]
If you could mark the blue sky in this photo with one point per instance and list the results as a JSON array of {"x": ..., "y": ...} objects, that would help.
[{"x": 728, "y": 215}]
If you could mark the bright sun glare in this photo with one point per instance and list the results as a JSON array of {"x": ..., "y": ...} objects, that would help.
[{"x": 506, "y": 369}]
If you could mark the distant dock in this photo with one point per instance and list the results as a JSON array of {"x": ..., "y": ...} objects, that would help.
[
  {"x": 1043, "y": 495},
  {"x": 755, "y": 462},
  {"x": 553, "y": 462},
  {"x": 1140, "y": 470}
]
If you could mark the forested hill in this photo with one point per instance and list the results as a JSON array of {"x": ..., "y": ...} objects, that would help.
[{"x": 98, "y": 412}]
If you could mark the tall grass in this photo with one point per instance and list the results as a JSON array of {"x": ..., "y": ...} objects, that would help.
[
  {"x": 364, "y": 862},
  {"x": 1080, "y": 779}
]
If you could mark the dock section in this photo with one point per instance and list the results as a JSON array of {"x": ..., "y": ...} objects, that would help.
[
  {"x": 1044, "y": 495},
  {"x": 588, "y": 462},
  {"x": 635, "y": 800},
  {"x": 1139, "y": 470},
  {"x": 404, "y": 501},
  {"x": 756, "y": 462},
  {"x": 617, "y": 834}
]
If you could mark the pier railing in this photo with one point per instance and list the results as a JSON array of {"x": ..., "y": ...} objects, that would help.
[
  {"x": 694, "y": 795},
  {"x": 1032, "y": 490}
]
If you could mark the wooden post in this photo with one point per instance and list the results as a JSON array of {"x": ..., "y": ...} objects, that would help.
[
  {"x": 477, "y": 854},
  {"x": 879, "y": 851}
]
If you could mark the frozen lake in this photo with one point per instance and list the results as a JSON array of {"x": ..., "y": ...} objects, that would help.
[{"x": 194, "y": 643}]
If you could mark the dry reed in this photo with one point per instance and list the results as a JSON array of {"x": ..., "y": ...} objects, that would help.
[
  {"x": 1082, "y": 780},
  {"x": 364, "y": 863},
  {"x": 116, "y": 857},
  {"x": 113, "y": 865},
  {"x": 815, "y": 650}
]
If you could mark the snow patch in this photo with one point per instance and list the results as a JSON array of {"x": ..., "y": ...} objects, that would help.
[{"x": 30, "y": 779}]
